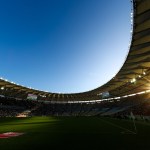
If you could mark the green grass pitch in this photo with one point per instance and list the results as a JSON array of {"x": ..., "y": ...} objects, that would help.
[{"x": 79, "y": 133}]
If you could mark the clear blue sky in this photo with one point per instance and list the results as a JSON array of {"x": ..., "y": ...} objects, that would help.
[{"x": 63, "y": 45}]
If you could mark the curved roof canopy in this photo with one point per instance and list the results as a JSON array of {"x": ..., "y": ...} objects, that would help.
[{"x": 133, "y": 77}]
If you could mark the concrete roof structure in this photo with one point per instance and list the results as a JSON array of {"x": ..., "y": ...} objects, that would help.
[{"x": 133, "y": 77}]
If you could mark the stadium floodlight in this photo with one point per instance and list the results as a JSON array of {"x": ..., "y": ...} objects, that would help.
[
  {"x": 147, "y": 91},
  {"x": 2, "y": 88},
  {"x": 132, "y": 95},
  {"x": 125, "y": 96},
  {"x": 134, "y": 80},
  {"x": 43, "y": 95},
  {"x": 144, "y": 72},
  {"x": 141, "y": 92},
  {"x": 117, "y": 98}
]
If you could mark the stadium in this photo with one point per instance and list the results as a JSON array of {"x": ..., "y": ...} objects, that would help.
[{"x": 115, "y": 115}]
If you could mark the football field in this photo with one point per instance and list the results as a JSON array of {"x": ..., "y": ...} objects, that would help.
[{"x": 79, "y": 133}]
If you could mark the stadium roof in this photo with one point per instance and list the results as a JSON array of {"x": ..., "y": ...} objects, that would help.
[{"x": 133, "y": 77}]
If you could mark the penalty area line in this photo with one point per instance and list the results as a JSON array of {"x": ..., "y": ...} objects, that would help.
[{"x": 127, "y": 131}]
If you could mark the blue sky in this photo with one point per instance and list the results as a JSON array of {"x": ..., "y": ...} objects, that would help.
[{"x": 63, "y": 46}]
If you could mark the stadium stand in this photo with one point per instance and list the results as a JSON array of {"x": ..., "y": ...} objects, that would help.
[{"x": 127, "y": 91}]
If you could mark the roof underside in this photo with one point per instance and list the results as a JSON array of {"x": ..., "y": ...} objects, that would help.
[{"x": 136, "y": 66}]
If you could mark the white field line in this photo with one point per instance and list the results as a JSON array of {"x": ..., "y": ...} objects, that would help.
[{"x": 118, "y": 126}]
